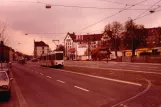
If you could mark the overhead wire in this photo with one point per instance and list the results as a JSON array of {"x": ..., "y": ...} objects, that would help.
[
  {"x": 72, "y": 6},
  {"x": 147, "y": 10},
  {"x": 112, "y": 15},
  {"x": 120, "y": 3},
  {"x": 147, "y": 14}
]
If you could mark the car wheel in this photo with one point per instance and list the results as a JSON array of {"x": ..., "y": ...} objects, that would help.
[{"x": 8, "y": 95}]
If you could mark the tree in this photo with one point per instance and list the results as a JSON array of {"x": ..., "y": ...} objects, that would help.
[
  {"x": 60, "y": 48},
  {"x": 113, "y": 32},
  {"x": 3, "y": 32},
  {"x": 134, "y": 37}
]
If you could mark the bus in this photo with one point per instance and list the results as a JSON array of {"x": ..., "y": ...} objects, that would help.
[{"x": 52, "y": 59}]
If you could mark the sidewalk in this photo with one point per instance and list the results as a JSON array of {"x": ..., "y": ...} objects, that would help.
[{"x": 135, "y": 63}]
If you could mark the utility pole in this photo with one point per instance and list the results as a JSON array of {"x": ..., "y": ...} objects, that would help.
[
  {"x": 132, "y": 33},
  {"x": 88, "y": 48},
  {"x": 2, "y": 53}
]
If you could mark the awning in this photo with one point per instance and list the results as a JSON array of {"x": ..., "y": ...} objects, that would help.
[
  {"x": 106, "y": 50},
  {"x": 72, "y": 50}
]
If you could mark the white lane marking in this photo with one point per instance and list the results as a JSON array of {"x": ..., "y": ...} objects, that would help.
[
  {"x": 103, "y": 78},
  {"x": 48, "y": 77},
  {"x": 60, "y": 81},
  {"x": 145, "y": 72},
  {"x": 41, "y": 74},
  {"x": 81, "y": 88},
  {"x": 153, "y": 67},
  {"x": 135, "y": 66},
  {"x": 19, "y": 94},
  {"x": 137, "y": 95},
  {"x": 36, "y": 72}
]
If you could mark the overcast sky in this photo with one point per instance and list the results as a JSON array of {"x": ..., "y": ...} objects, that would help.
[{"x": 28, "y": 17}]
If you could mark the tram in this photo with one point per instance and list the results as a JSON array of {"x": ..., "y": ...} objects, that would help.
[{"x": 52, "y": 59}]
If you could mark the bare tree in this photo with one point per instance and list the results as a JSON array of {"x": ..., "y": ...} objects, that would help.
[
  {"x": 134, "y": 36},
  {"x": 3, "y": 32},
  {"x": 113, "y": 32}
]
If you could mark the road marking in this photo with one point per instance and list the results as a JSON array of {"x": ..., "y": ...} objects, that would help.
[
  {"x": 19, "y": 94},
  {"x": 153, "y": 67},
  {"x": 103, "y": 78},
  {"x": 145, "y": 72},
  {"x": 60, "y": 81},
  {"x": 139, "y": 94},
  {"x": 81, "y": 88},
  {"x": 48, "y": 77},
  {"x": 41, "y": 74},
  {"x": 135, "y": 66}
]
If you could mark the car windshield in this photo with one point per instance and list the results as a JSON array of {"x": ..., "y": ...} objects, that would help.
[
  {"x": 59, "y": 56},
  {"x": 3, "y": 76}
]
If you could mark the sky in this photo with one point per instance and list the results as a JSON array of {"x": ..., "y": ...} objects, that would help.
[{"x": 26, "y": 16}]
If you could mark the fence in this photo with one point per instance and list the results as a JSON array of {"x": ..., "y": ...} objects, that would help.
[{"x": 142, "y": 59}]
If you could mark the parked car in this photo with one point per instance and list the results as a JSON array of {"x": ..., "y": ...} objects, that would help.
[{"x": 5, "y": 86}]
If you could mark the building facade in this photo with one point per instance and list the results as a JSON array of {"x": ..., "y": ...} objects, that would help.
[
  {"x": 80, "y": 46},
  {"x": 40, "y": 48}
]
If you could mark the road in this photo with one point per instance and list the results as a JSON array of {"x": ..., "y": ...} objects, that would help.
[
  {"x": 36, "y": 86},
  {"x": 146, "y": 67}
]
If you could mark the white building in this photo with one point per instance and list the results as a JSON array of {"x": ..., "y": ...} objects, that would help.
[
  {"x": 40, "y": 48},
  {"x": 80, "y": 46}
]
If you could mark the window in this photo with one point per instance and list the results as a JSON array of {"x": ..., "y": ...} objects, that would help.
[
  {"x": 59, "y": 56},
  {"x": 43, "y": 48},
  {"x": 43, "y": 52}
]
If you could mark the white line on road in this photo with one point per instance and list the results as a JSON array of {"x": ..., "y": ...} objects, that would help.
[
  {"x": 135, "y": 66},
  {"x": 81, "y": 88},
  {"x": 36, "y": 72},
  {"x": 60, "y": 81},
  {"x": 103, "y": 78},
  {"x": 134, "y": 97},
  {"x": 146, "y": 72},
  {"x": 41, "y": 74},
  {"x": 48, "y": 77},
  {"x": 153, "y": 67}
]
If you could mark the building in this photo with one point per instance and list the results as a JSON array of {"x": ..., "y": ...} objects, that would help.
[
  {"x": 80, "y": 46},
  {"x": 153, "y": 37},
  {"x": 6, "y": 53},
  {"x": 40, "y": 48}
]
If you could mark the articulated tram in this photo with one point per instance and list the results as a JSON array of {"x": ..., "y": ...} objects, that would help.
[{"x": 52, "y": 59}]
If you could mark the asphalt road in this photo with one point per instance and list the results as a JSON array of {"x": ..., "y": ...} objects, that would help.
[
  {"x": 146, "y": 67},
  {"x": 46, "y": 87}
]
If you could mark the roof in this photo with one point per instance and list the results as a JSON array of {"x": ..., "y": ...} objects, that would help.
[
  {"x": 95, "y": 51},
  {"x": 92, "y": 37},
  {"x": 40, "y": 43},
  {"x": 72, "y": 35}
]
